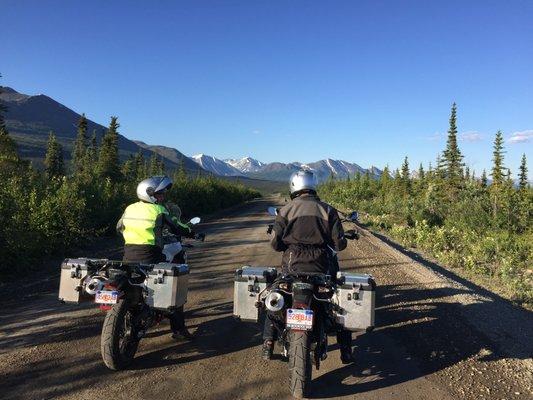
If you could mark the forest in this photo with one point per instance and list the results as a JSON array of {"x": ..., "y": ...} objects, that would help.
[
  {"x": 478, "y": 226},
  {"x": 48, "y": 212}
]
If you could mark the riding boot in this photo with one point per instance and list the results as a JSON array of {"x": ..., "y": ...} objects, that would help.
[
  {"x": 177, "y": 325},
  {"x": 344, "y": 339}
]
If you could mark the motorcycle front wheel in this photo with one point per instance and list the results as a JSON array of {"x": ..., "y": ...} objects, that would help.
[
  {"x": 299, "y": 363},
  {"x": 119, "y": 342}
]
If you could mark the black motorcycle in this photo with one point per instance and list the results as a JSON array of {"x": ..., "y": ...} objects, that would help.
[
  {"x": 137, "y": 297},
  {"x": 302, "y": 312}
]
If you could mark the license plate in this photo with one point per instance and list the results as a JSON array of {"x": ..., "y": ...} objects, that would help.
[
  {"x": 300, "y": 319},
  {"x": 106, "y": 297}
]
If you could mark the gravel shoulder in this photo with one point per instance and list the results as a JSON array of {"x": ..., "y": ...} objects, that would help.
[{"x": 437, "y": 336}]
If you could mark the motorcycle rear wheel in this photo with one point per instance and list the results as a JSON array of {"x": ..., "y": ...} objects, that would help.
[
  {"x": 118, "y": 343},
  {"x": 299, "y": 363}
]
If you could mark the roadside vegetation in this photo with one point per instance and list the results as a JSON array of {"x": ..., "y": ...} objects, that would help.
[
  {"x": 48, "y": 212},
  {"x": 484, "y": 229}
]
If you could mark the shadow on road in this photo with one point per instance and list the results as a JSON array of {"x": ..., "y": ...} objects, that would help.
[{"x": 418, "y": 333}]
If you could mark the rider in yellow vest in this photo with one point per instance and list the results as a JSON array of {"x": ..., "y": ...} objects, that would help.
[{"x": 142, "y": 227}]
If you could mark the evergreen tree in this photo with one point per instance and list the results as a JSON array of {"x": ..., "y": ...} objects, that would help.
[
  {"x": 522, "y": 176},
  {"x": 3, "y": 109},
  {"x": 128, "y": 169},
  {"x": 440, "y": 169},
  {"x": 140, "y": 166},
  {"x": 162, "y": 166},
  {"x": 79, "y": 151},
  {"x": 421, "y": 173},
  {"x": 484, "y": 179},
  {"x": 53, "y": 161},
  {"x": 467, "y": 174},
  {"x": 154, "y": 168},
  {"x": 497, "y": 166},
  {"x": 9, "y": 158},
  {"x": 108, "y": 161},
  {"x": 452, "y": 157},
  {"x": 405, "y": 170},
  {"x": 384, "y": 179}
]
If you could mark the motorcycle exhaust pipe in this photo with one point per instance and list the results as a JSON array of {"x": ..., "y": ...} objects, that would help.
[
  {"x": 274, "y": 302},
  {"x": 95, "y": 284}
]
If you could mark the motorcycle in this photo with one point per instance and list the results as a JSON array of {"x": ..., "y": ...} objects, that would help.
[
  {"x": 126, "y": 292},
  {"x": 303, "y": 312}
]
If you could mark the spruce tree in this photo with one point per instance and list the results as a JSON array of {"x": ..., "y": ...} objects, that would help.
[
  {"x": 79, "y": 151},
  {"x": 484, "y": 179},
  {"x": 440, "y": 169},
  {"x": 140, "y": 166},
  {"x": 53, "y": 161},
  {"x": 405, "y": 169},
  {"x": 497, "y": 166},
  {"x": 108, "y": 161},
  {"x": 128, "y": 169},
  {"x": 421, "y": 173},
  {"x": 522, "y": 176},
  {"x": 154, "y": 165},
  {"x": 9, "y": 158},
  {"x": 452, "y": 157}
]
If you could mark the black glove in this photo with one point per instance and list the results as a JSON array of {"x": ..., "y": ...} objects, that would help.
[{"x": 199, "y": 236}]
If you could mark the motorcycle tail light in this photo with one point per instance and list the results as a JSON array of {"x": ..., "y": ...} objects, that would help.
[{"x": 323, "y": 289}]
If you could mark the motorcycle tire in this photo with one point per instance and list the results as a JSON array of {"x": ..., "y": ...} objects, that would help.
[
  {"x": 299, "y": 363},
  {"x": 117, "y": 348}
]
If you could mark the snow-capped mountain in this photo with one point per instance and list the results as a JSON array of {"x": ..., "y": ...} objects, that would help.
[
  {"x": 215, "y": 165},
  {"x": 337, "y": 168},
  {"x": 246, "y": 165}
]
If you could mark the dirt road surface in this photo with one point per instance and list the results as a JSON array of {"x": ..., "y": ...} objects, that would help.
[{"x": 437, "y": 337}]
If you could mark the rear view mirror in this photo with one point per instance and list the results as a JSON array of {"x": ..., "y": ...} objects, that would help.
[
  {"x": 273, "y": 211},
  {"x": 195, "y": 221}
]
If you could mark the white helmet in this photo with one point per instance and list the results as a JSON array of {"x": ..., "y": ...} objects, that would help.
[
  {"x": 303, "y": 180},
  {"x": 150, "y": 186}
]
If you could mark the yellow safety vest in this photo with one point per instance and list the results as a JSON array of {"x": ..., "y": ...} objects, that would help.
[{"x": 139, "y": 222}]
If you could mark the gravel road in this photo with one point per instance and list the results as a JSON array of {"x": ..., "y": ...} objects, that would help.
[{"x": 437, "y": 336}]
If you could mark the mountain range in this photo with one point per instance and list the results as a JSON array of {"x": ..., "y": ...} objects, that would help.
[
  {"x": 277, "y": 171},
  {"x": 30, "y": 119}
]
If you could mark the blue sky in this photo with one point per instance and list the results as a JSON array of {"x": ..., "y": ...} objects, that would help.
[{"x": 366, "y": 82}]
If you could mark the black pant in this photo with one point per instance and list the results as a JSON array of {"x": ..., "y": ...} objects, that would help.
[
  {"x": 147, "y": 254},
  {"x": 177, "y": 320}
]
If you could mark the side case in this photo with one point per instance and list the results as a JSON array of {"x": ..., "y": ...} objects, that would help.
[
  {"x": 167, "y": 285},
  {"x": 249, "y": 282},
  {"x": 73, "y": 273},
  {"x": 357, "y": 299}
]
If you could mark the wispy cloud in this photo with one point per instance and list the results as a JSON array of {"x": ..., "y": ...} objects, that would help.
[
  {"x": 436, "y": 136},
  {"x": 521, "y": 137},
  {"x": 470, "y": 136},
  {"x": 256, "y": 131}
]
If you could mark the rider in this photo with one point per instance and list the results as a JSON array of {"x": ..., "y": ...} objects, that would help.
[
  {"x": 142, "y": 227},
  {"x": 304, "y": 230}
]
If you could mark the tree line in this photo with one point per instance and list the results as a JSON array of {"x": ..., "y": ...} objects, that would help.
[
  {"x": 482, "y": 227},
  {"x": 45, "y": 212}
]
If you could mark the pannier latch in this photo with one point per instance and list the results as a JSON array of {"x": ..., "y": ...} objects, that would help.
[
  {"x": 356, "y": 291},
  {"x": 160, "y": 276},
  {"x": 74, "y": 271},
  {"x": 252, "y": 287}
]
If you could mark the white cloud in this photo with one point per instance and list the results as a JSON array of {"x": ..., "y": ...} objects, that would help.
[
  {"x": 521, "y": 137},
  {"x": 471, "y": 136},
  {"x": 436, "y": 136}
]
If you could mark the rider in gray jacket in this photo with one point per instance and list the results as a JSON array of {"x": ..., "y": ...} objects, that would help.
[{"x": 305, "y": 230}]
